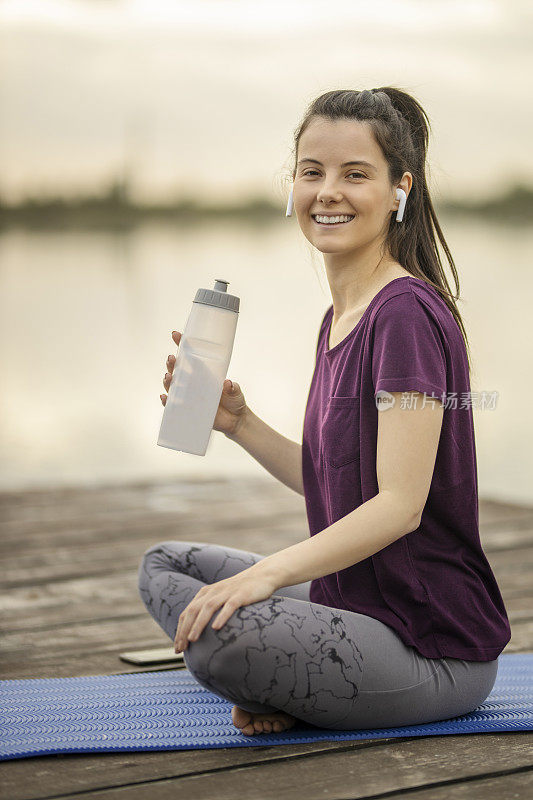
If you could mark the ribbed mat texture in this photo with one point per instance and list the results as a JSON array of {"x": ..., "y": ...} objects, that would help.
[{"x": 169, "y": 710}]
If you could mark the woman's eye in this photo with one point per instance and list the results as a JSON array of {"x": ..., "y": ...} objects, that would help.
[{"x": 315, "y": 172}]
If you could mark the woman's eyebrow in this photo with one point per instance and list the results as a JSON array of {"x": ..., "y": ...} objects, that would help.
[{"x": 346, "y": 163}]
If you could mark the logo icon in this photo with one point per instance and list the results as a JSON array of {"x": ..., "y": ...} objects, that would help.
[{"x": 384, "y": 400}]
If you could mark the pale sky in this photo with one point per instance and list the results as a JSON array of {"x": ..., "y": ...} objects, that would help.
[{"x": 203, "y": 96}]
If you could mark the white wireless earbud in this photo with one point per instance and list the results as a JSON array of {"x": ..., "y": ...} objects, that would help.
[
  {"x": 290, "y": 205},
  {"x": 402, "y": 197}
]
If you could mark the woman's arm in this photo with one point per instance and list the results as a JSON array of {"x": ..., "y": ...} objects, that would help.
[
  {"x": 407, "y": 445},
  {"x": 278, "y": 455},
  {"x": 406, "y": 451}
]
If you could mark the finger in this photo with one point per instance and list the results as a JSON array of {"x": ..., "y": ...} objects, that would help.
[
  {"x": 221, "y": 619},
  {"x": 179, "y": 642},
  {"x": 195, "y": 616},
  {"x": 225, "y": 613},
  {"x": 166, "y": 380},
  {"x": 203, "y": 618},
  {"x": 163, "y": 399},
  {"x": 198, "y": 625},
  {"x": 185, "y": 622},
  {"x": 171, "y": 360},
  {"x": 179, "y": 629}
]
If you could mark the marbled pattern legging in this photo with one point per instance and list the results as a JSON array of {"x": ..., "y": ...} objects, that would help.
[{"x": 329, "y": 667}]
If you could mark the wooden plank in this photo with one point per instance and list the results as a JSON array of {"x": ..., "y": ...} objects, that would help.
[
  {"x": 151, "y": 528},
  {"x": 508, "y": 786},
  {"x": 255, "y": 496},
  {"x": 72, "y": 507},
  {"x": 73, "y": 664},
  {"x": 497, "y": 512},
  {"x": 521, "y": 637},
  {"x": 123, "y": 555},
  {"x": 372, "y": 769},
  {"x": 171, "y": 526},
  {"x": 60, "y": 519},
  {"x": 507, "y": 537},
  {"x": 58, "y": 774},
  {"x": 102, "y": 636}
]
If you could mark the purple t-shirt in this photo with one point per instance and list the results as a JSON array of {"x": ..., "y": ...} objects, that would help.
[{"x": 433, "y": 586}]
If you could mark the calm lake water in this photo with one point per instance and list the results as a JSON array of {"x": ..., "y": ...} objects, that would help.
[{"x": 86, "y": 328}]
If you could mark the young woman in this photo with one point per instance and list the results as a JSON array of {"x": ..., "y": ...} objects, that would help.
[{"x": 389, "y": 613}]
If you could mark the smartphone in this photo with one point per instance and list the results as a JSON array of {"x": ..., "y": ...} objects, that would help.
[{"x": 157, "y": 655}]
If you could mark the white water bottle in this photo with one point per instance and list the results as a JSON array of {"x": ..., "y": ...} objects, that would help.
[{"x": 200, "y": 369}]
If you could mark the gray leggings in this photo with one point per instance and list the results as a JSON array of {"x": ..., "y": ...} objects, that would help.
[{"x": 329, "y": 667}]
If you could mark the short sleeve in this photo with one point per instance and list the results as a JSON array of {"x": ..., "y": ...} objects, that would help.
[{"x": 408, "y": 354}]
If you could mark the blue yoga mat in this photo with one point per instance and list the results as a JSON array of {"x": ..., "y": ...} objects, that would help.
[{"x": 169, "y": 710}]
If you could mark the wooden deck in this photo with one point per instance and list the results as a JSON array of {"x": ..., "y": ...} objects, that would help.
[{"x": 70, "y": 604}]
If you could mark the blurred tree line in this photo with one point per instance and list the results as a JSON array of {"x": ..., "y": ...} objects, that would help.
[{"x": 115, "y": 209}]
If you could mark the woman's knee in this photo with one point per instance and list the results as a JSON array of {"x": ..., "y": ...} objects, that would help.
[
  {"x": 210, "y": 656},
  {"x": 168, "y": 547},
  {"x": 163, "y": 555},
  {"x": 154, "y": 558}
]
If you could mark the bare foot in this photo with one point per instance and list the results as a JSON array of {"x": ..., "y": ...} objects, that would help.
[{"x": 251, "y": 723}]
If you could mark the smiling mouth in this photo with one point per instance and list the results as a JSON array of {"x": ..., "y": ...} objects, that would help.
[{"x": 342, "y": 219}]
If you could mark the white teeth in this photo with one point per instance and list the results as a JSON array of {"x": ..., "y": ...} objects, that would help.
[{"x": 333, "y": 220}]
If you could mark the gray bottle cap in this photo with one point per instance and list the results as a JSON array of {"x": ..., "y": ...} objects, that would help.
[{"x": 218, "y": 296}]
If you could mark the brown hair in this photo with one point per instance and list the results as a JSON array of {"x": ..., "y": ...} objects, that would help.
[{"x": 401, "y": 128}]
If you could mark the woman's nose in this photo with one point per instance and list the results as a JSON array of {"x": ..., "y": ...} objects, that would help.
[{"x": 327, "y": 193}]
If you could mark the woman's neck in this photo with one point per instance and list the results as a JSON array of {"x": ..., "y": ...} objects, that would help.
[{"x": 352, "y": 291}]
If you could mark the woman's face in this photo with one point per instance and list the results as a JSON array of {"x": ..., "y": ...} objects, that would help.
[{"x": 334, "y": 187}]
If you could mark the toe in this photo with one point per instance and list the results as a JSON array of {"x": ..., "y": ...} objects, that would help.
[{"x": 240, "y": 717}]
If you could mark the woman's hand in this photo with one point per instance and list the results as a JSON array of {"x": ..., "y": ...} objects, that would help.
[
  {"x": 248, "y": 586},
  {"x": 232, "y": 407}
]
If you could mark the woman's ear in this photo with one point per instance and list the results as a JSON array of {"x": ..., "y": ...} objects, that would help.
[{"x": 406, "y": 182}]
